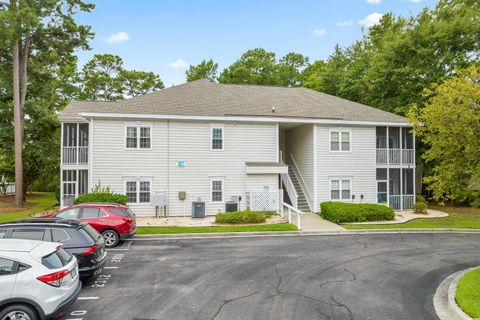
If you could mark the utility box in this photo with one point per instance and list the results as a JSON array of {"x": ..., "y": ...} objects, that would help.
[
  {"x": 198, "y": 209},
  {"x": 182, "y": 195},
  {"x": 231, "y": 206}
]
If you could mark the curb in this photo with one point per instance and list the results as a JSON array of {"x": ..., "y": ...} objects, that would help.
[
  {"x": 444, "y": 299},
  {"x": 299, "y": 233}
]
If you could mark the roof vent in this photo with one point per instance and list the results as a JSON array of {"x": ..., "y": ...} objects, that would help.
[{"x": 273, "y": 109}]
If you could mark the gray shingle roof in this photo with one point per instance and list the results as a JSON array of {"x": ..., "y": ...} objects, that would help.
[{"x": 203, "y": 98}]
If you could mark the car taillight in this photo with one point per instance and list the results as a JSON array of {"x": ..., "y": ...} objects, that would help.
[
  {"x": 89, "y": 250},
  {"x": 54, "y": 279}
]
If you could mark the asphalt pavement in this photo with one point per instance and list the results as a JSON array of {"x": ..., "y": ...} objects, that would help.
[{"x": 365, "y": 276}]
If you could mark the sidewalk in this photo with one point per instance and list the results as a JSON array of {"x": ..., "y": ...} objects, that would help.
[{"x": 312, "y": 222}]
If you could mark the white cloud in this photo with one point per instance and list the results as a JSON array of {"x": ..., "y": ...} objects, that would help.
[
  {"x": 320, "y": 32},
  {"x": 118, "y": 37},
  {"x": 374, "y": 1},
  {"x": 178, "y": 64},
  {"x": 371, "y": 20},
  {"x": 345, "y": 23}
]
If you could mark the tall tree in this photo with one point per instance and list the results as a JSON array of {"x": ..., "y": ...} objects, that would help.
[
  {"x": 30, "y": 27},
  {"x": 105, "y": 78},
  {"x": 204, "y": 70},
  {"x": 291, "y": 67},
  {"x": 256, "y": 66},
  {"x": 449, "y": 125}
]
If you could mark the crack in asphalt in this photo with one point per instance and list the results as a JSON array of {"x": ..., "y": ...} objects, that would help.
[
  {"x": 339, "y": 304},
  {"x": 225, "y": 302},
  {"x": 353, "y": 275}
]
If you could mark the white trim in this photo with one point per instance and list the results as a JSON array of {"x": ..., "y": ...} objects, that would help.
[
  {"x": 137, "y": 126},
  {"x": 315, "y": 170},
  {"x": 340, "y": 139},
  {"x": 277, "y": 142},
  {"x": 90, "y": 155},
  {"x": 213, "y": 127},
  {"x": 243, "y": 118},
  {"x": 212, "y": 179}
]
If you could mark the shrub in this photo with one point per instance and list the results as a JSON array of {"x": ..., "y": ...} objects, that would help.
[
  {"x": 241, "y": 217},
  {"x": 102, "y": 197},
  {"x": 420, "y": 207},
  {"x": 420, "y": 198},
  {"x": 351, "y": 212},
  {"x": 476, "y": 203}
]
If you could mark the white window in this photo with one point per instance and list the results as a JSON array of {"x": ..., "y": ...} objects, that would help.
[
  {"x": 339, "y": 140},
  {"x": 137, "y": 191},
  {"x": 138, "y": 137},
  {"x": 340, "y": 189},
  {"x": 217, "y": 138},
  {"x": 216, "y": 187}
]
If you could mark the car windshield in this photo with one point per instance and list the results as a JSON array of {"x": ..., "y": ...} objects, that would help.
[
  {"x": 57, "y": 259},
  {"x": 122, "y": 212}
]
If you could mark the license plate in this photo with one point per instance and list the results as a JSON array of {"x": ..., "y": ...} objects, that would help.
[{"x": 73, "y": 273}]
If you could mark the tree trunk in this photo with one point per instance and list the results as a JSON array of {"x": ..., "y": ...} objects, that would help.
[
  {"x": 23, "y": 94},
  {"x": 18, "y": 127}
]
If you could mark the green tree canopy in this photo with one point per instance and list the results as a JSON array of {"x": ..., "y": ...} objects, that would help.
[
  {"x": 105, "y": 78},
  {"x": 449, "y": 125},
  {"x": 207, "y": 69}
]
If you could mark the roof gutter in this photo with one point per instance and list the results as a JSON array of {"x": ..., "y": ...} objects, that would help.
[{"x": 243, "y": 119}]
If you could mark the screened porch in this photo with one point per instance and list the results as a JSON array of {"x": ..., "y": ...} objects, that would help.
[{"x": 396, "y": 187}]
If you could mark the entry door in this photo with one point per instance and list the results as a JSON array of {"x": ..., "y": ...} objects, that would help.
[{"x": 382, "y": 194}]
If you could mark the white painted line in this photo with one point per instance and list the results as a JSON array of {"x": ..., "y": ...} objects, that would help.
[
  {"x": 74, "y": 319},
  {"x": 118, "y": 249},
  {"x": 110, "y": 268},
  {"x": 87, "y": 298}
]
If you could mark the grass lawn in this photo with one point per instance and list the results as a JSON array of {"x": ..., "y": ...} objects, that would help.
[
  {"x": 468, "y": 293},
  {"x": 460, "y": 218},
  {"x": 36, "y": 202},
  {"x": 172, "y": 230}
]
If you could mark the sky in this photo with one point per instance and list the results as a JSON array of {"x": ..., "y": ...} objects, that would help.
[{"x": 166, "y": 36}]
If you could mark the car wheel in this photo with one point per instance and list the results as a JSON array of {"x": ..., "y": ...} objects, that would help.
[
  {"x": 111, "y": 238},
  {"x": 18, "y": 312}
]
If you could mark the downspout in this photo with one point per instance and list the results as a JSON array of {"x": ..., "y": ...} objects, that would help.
[{"x": 168, "y": 169}]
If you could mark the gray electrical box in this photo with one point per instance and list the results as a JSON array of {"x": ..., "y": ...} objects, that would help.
[
  {"x": 182, "y": 195},
  {"x": 159, "y": 199},
  {"x": 198, "y": 209}
]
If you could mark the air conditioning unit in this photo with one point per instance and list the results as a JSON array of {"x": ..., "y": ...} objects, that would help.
[{"x": 198, "y": 209}]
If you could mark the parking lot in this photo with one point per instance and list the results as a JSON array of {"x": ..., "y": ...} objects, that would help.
[{"x": 391, "y": 276}]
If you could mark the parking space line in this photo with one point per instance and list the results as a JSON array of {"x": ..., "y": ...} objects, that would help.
[
  {"x": 87, "y": 298},
  {"x": 118, "y": 249},
  {"x": 110, "y": 268}
]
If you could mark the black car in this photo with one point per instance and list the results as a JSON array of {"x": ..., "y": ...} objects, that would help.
[{"x": 77, "y": 237}]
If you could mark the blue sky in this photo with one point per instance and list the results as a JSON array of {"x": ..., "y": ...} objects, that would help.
[{"x": 165, "y": 36}]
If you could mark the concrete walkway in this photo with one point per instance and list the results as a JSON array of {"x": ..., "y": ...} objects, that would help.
[{"x": 312, "y": 222}]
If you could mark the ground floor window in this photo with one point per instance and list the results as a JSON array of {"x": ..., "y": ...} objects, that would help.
[
  {"x": 216, "y": 187},
  {"x": 340, "y": 189},
  {"x": 137, "y": 191}
]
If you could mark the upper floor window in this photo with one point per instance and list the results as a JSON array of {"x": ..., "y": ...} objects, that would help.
[
  {"x": 217, "y": 138},
  {"x": 138, "y": 137},
  {"x": 339, "y": 140}
]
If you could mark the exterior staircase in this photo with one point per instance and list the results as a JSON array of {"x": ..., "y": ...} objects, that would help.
[{"x": 302, "y": 200}]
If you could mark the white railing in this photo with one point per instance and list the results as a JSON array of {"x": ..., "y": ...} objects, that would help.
[
  {"x": 290, "y": 188},
  {"x": 301, "y": 181},
  {"x": 395, "y": 156},
  {"x": 75, "y": 155},
  {"x": 408, "y": 156},
  {"x": 401, "y": 202},
  {"x": 382, "y": 156},
  {"x": 291, "y": 209},
  {"x": 7, "y": 188}
]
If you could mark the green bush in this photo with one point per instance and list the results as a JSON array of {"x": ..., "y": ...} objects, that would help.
[
  {"x": 241, "y": 217},
  {"x": 420, "y": 207},
  {"x": 475, "y": 203},
  {"x": 355, "y": 212},
  {"x": 101, "y": 197},
  {"x": 420, "y": 198}
]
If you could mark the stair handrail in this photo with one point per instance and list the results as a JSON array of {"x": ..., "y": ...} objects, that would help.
[
  {"x": 302, "y": 183},
  {"x": 298, "y": 212},
  {"x": 290, "y": 188}
]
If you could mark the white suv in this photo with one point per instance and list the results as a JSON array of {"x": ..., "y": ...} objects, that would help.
[{"x": 38, "y": 280}]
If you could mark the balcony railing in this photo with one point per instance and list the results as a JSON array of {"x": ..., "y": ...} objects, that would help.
[
  {"x": 395, "y": 156},
  {"x": 401, "y": 202},
  {"x": 75, "y": 155}
]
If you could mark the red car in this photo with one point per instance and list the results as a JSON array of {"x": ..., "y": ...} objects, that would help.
[{"x": 114, "y": 221}]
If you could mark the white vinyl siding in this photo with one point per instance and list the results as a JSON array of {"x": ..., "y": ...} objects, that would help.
[
  {"x": 358, "y": 165},
  {"x": 188, "y": 141}
]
